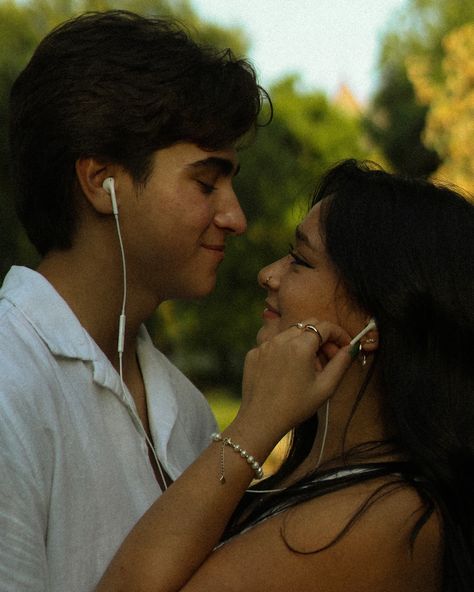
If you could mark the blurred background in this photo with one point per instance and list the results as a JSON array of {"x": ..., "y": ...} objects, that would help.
[{"x": 388, "y": 80}]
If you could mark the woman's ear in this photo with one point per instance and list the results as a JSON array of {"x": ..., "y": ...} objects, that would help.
[
  {"x": 91, "y": 174},
  {"x": 370, "y": 341}
]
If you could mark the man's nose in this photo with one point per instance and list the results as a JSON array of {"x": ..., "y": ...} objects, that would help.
[{"x": 230, "y": 216}]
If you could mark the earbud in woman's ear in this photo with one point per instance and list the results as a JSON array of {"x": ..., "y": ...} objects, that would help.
[{"x": 369, "y": 327}]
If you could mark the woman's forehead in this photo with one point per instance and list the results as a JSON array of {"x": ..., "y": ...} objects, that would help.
[{"x": 309, "y": 230}]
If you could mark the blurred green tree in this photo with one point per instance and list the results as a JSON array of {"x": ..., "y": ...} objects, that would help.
[
  {"x": 397, "y": 120},
  {"x": 449, "y": 96}
]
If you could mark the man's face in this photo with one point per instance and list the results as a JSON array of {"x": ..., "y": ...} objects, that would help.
[{"x": 175, "y": 227}]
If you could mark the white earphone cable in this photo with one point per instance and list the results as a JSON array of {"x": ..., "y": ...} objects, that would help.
[{"x": 122, "y": 323}]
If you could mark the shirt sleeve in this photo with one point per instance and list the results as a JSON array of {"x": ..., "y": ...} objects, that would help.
[{"x": 23, "y": 505}]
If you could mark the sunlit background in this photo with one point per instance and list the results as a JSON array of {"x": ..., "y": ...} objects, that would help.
[
  {"x": 389, "y": 80},
  {"x": 328, "y": 43}
]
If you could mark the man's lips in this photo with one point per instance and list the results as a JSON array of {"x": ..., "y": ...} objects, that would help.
[
  {"x": 220, "y": 248},
  {"x": 216, "y": 251}
]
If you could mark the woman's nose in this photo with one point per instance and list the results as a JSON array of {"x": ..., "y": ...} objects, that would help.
[{"x": 266, "y": 278}]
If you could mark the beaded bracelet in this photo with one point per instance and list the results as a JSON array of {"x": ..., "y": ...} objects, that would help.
[{"x": 226, "y": 441}]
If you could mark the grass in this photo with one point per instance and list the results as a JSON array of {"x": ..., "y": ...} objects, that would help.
[{"x": 225, "y": 407}]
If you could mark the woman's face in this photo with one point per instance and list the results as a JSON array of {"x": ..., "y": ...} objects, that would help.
[{"x": 305, "y": 285}]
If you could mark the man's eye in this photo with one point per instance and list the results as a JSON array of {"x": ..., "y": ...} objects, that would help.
[{"x": 206, "y": 187}]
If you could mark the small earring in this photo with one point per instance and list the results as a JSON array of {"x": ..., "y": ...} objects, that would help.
[{"x": 362, "y": 356}]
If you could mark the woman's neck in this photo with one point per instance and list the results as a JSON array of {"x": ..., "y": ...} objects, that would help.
[{"x": 350, "y": 428}]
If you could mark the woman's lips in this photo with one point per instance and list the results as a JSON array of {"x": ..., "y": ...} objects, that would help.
[{"x": 269, "y": 312}]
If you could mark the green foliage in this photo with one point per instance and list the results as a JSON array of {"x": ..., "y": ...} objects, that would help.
[
  {"x": 396, "y": 125},
  {"x": 450, "y": 100},
  {"x": 397, "y": 121},
  {"x": 224, "y": 407}
]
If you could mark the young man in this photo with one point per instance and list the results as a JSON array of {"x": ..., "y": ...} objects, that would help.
[{"x": 112, "y": 109}]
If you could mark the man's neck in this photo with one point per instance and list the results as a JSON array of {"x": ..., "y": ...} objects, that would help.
[{"x": 93, "y": 289}]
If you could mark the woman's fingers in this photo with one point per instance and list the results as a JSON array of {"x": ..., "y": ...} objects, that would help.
[
  {"x": 327, "y": 381},
  {"x": 325, "y": 332},
  {"x": 321, "y": 331},
  {"x": 291, "y": 375}
]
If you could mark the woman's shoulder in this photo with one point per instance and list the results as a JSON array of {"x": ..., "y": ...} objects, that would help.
[
  {"x": 357, "y": 538},
  {"x": 372, "y": 507},
  {"x": 361, "y": 536}
]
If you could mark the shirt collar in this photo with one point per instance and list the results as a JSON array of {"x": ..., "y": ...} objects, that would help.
[
  {"x": 161, "y": 399},
  {"x": 48, "y": 313}
]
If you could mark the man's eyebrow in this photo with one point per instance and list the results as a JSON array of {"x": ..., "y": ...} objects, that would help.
[{"x": 223, "y": 165}]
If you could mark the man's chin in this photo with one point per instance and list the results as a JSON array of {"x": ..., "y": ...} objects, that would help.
[{"x": 201, "y": 291}]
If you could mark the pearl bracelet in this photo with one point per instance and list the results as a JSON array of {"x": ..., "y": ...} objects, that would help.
[{"x": 226, "y": 441}]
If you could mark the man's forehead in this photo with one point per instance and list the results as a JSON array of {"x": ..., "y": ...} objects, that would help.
[{"x": 187, "y": 155}]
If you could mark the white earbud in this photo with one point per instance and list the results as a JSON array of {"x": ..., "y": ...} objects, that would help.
[
  {"x": 109, "y": 186},
  {"x": 370, "y": 325}
]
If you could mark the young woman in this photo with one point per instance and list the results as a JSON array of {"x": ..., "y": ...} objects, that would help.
[{"x": 376, "y": 492}]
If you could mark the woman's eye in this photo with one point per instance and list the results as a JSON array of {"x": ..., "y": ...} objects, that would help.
[
  {"x": 206, "y": 188},
  {"x": 297, "y": 260}
]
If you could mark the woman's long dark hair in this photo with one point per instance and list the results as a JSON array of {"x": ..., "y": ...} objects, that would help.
[{"x": 405, "y": 251}]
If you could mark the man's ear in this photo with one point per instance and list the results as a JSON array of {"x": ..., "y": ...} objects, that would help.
[{"x": 91, "y": 174}]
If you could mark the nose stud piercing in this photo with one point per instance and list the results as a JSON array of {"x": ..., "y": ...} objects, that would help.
[{"x": 267, "y": 280}]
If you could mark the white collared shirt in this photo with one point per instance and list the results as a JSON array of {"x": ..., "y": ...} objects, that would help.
[{"x": 74, "y": 468}]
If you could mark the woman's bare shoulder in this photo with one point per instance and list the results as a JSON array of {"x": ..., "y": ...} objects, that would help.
[
  {"x": 319, "y": 546},
  {"x": 383, "y": 509},
  {"x": 376, "y": 506}
]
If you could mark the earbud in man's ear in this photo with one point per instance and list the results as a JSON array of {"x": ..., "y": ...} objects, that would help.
[{"x": 109, "y": 186}]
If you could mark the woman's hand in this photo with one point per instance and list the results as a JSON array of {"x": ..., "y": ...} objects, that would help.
[{"x": 285, "y": 381}]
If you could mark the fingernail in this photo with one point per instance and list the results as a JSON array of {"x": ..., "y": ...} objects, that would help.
[{"x": 354, "y": 350}]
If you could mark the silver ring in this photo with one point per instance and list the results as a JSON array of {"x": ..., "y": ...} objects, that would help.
[
  {"x": 314, "y": 330},
  {"x": 299, "y": 325}
]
